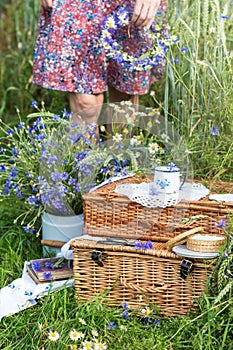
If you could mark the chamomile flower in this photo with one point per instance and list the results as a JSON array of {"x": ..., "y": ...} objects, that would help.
[
  {"x": 94, "y": 333},
  {"x": 146, "y": 312},
  {"x": 102, "y": 128},
  {"x": 73, "y": 346},
  {"x": 87, "y": 345},
  {"x": 110, "y": 23},
  {"x": 74, "y": 335},
  {"x": 136, "y": 140},
  {"x": 53, "y": 336},
  {"x": 149, "y": 124},
  {"x": 153, "y": 147},
  {"x": 81, "y": 320},
  {"x": 100, "y": 346},
  {"x": 117, "y": 137},
  {"x": 148, "y": 60}
]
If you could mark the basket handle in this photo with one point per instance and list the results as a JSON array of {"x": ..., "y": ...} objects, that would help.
[{"x": 161, "y": 287}]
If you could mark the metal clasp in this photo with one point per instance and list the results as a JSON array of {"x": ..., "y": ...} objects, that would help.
[{"x": 185, "y": 268}]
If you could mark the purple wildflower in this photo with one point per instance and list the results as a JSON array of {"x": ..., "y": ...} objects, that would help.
[
  {"x": 64, "y": 176},
  {"x": 51, "y": 160},
  {"x": 36, "y": 265},
  {"x": 214, "y": 131},
  {"x": 33, "y": 104},
  {"x": 222, "y": 223},
  {"x": 125, "y": 313},
  {"x": 148, "y": 245},
  {"x": 13, "y": 173},
  {"x": 9, "y": 132},
  {"x": 47, "y": 275},
  {"x": 49, "y": 265},
  {"x": 55, "y": 176},
  {"x": 77, "y": 188},
  {"x": 26, "y": 229},
  {"x": 2, "y": 168},
  {"x": 71, "y": 181},
  {"x": 15, "y": 152},
  {"x": 20, "y": 125},
  {"x": 56, "y": 117},
  {"x": 137, "y": 245},
  {"x": 184, "y": 49},
  {"x": 111, "y": 326},
  {"x": 32, "y": 200}
]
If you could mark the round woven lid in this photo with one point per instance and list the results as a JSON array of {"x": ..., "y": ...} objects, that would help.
[{"x": 205, "y": 242}]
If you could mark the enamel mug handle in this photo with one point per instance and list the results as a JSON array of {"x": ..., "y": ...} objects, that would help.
[{"x": 182, "y": 183}]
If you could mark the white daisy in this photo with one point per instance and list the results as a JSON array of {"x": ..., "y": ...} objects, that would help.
[
  {"x": 53, "y": 336},
  {"x": 74, "y": 335}
]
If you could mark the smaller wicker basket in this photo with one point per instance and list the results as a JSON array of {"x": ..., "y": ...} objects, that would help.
[{"x": 205, "y": 243}]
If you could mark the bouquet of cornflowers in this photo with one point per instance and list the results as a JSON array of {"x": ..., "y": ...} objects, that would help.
[
  {"x": 157, "y": 38},
  {"x": 48, "y": 161}
]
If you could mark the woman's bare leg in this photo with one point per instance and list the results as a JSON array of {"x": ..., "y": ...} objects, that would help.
[{"x": 87, "y": 106}]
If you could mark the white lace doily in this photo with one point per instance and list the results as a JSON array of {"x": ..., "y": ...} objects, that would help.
[{"x": 145, "y": 194}]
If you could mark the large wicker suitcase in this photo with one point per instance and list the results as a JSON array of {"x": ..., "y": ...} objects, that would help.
[
  {"x": 107, "y": 213},
  {"x": 121, "y": 274}
]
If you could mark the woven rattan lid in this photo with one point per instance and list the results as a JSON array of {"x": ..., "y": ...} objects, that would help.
[
  {"x": 180, "y": 239},
  {"x": 205, "y": 242}
]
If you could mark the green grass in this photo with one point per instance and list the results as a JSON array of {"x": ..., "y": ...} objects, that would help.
[{"x": 209, "y": 328}]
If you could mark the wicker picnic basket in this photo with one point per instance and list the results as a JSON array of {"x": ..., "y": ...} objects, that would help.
[
  {"x": 157, "y": 276},
  {"x": 107, "y": 213}
]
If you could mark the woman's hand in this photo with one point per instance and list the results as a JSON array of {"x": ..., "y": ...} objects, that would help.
[
  {"x": 144, "y": 12},
  {"x": 46, "y": 4}
]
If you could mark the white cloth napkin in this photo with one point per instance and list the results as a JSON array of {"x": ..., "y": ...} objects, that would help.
[
  {"x": 227, "y": 197},
  {"x": 23, "y": 292}
]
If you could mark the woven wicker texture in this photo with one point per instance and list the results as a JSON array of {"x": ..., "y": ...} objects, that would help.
[
  {"x": 200, "y": 243},
  {"x": 107, "y": 213},
  {"x": 138, "y": 278}
]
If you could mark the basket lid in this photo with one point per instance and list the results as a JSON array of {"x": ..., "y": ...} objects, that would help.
[{"x": 158, "y": 250}]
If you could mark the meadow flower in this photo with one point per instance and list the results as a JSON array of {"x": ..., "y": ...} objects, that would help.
[
  {"x": 214, "y": 131},
  {"x": 34, "y": 104},
  {"x": 94, "y": 333},
  {"x": 221, "y": 223},
  {"x": 100, "y": 346},
  {"x": 74, "y": 335},
  {"x": 146, "y": 311},
  {"x": 153, "y": 147},
  {"x": 159, "y": 36},
  {"x": 87, "y": 345},
  {"x": 73, "y": 346},
  {"x": 112, "y": 325},
  {"x": 53, "y": 335},
  {"x": 47, "y": 275},
  {"x": 82, "y": 321},
  {"x": 117, "y": 137},
  {"x": 125, "y": 311},
  {"x": 48, "y": 162}
]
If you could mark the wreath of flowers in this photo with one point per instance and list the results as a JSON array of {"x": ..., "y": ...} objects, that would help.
[{"x": 156, "y": 55}]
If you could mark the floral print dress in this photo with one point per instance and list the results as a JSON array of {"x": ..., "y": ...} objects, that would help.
[{"x": 69, "y": 56}]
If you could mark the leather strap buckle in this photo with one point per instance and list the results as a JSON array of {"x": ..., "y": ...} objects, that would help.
[{"x": 185, "y": 268}]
